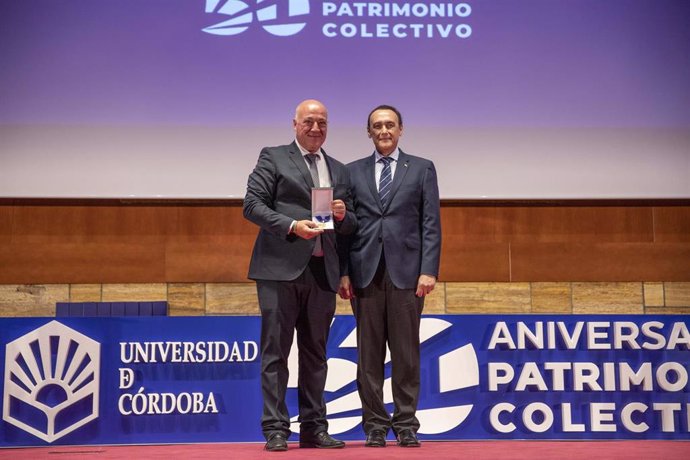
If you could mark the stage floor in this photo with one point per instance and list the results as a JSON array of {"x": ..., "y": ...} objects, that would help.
[{"x": 542, "y": 450}]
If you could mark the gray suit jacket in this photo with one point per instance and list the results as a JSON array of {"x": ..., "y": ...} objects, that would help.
[
  {"x": 407, "y": 230},
  {"x": 278, "y": 192}
]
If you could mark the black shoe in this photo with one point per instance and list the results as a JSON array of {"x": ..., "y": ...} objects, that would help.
[
  {"x": 276, "y": 443},
  {"x": 321, "y": 440},
  {"x": 375, "y": 438},
  {"x": 408, "y": 438}
]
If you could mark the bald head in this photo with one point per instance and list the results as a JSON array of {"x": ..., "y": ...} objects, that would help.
[
  {"x": 311, "y": 124},
  {"x": 309, "y": 105}
]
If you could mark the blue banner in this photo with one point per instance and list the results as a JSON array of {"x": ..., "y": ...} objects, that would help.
[{"x": 196, "y": 379}]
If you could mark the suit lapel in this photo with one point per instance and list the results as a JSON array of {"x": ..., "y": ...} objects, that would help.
[
  {"x": 370, "y": 176},
  {"x": 330, "y": 167},
  {"x": 298, "y": 160}
]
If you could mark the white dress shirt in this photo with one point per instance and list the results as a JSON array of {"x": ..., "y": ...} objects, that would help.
[{"x": 321, "y": 166}]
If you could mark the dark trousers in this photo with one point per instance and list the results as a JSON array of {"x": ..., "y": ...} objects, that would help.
[
  {"x": 385, "y": 313},
  {"x": 307, "y": 305}
]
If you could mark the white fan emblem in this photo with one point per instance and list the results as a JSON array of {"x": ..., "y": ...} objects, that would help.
[{"x": 51, "y": 381}]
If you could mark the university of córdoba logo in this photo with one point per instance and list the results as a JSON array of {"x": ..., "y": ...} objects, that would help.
[
  {"x": 276, "y": 16},
  {"x": 51, "y": 381}
]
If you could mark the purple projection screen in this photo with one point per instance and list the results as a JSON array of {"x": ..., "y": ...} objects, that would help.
[{"x": 529, "y": 99}]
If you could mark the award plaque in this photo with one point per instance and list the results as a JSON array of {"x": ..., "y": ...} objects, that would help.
[{"x": 321, "y": 198}]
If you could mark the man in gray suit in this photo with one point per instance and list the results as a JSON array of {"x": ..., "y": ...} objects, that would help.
[
  {"x": 393, "y": 263},
  {"x": 297, "y": 271}
]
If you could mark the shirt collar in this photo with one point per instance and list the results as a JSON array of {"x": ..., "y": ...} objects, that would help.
[
  {"x": 393, "y": 156},
  {"x": 304, "y": 151}
]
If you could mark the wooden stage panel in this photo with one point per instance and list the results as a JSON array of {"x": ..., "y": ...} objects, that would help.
[
  {"x": 225, "y": 259},
  {"x": 462, "y": 261},
  {"x": 50, "y": 263},
  {"x": 600, "y": 262},
  {"x": 112, "y": 241},
  {"x": 672, "y": 224},
  {"x": 544, "y": 224}
]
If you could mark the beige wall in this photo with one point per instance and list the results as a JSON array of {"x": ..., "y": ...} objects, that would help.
[{"x": 193, "y": 299}]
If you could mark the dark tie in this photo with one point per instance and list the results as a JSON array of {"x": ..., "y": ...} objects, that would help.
[
  {"x": 386, "y": 180},
  {"x": 311, "y": 158}
]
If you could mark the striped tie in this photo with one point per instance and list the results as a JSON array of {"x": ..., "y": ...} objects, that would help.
[{"x": 386, "y": 180}]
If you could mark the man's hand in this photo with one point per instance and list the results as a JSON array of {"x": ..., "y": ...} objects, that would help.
[
  {"x": 345, "y": 290},
  {"x": 338, "y": 209},
  {"x": 425, "y": 284},
  {"x": 307, "y": 229}
]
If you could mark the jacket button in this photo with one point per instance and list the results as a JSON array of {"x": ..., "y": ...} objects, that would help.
[{"x": 380, "y": 239}]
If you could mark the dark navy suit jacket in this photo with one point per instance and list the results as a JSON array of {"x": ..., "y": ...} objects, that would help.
[
  {"x": 407, "y": 230},
  {"x": 278, "y": 192}
]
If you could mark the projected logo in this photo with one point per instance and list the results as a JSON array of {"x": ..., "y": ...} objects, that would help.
[
  {"x": 51, "y": 381},
  {"x": 276, "y": 16},
  {"x": 458, "y": 371}
]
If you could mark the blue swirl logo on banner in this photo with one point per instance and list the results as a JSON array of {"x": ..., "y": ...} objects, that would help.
[
  {"x": 445, "y": 404},
  {"x": 276, "y": 17},
  {"x": 380, "y": 20}
]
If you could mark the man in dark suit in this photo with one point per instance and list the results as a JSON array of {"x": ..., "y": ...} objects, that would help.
[
  {"x": 393, "y": 263},
  {"x": 297, "y": 271}
]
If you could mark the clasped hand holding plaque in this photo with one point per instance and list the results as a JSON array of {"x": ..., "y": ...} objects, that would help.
[{"x": 321, "y": 198}]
